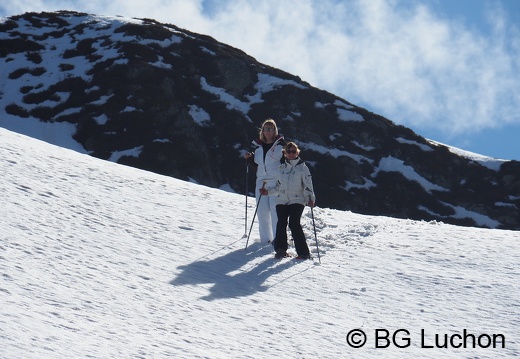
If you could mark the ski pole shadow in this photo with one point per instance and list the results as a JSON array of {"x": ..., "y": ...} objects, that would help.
[{"x": 226, "y": 273}]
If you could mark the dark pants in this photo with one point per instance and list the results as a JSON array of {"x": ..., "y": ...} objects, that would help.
[{"x": 292, "y": 213}]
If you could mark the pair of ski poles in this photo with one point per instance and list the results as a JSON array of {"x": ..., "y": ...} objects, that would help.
[{"x": 256, "y": 210}]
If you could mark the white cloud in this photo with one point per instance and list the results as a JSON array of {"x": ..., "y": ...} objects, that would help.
[{"x": 402, "y": 61}]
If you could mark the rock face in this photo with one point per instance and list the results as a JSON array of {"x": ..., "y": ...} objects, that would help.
[{"x": 181, "y": 104}]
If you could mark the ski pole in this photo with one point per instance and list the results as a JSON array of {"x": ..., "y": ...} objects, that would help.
[
  {"x": 254, "y": 215},
  {"x": 247, "y": 192},
  {"x": 253, "y": 221},
  {"x": 315, "y": 236}
]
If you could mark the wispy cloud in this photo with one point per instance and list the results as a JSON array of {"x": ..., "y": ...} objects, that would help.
[{"x": 396, "y": 57}]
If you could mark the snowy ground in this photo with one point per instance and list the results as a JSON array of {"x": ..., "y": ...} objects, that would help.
[{"x": 101, "y": 260}]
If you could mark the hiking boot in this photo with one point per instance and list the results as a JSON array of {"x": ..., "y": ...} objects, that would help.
[{"x": 280, "y": 255}]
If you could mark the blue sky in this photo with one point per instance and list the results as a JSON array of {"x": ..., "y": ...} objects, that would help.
[{"x": 447, "y": 69}]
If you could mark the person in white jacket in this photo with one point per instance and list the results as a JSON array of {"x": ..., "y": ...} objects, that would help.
[
  {"x": 266, "y": 159},
  {"x": 294, "y": 190}
]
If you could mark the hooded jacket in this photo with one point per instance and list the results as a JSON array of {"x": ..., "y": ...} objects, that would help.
[{"x": 294, "y": 183}]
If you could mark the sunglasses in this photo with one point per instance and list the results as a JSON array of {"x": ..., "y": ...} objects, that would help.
[
  {"x": 291, "y": 152},
  {"x": 268, "y": 129}
]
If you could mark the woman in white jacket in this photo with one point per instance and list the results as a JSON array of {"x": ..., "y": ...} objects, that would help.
[
  {"x": 266, "y": 159},
  {"x": 294, "y": 190}
]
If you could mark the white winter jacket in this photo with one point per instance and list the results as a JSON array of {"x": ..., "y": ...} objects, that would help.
[
  {"x": 294, "y": 183},
  {"x": 267, "y": 171}
]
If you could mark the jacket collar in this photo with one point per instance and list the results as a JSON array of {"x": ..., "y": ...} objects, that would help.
[
  {"x": 300, "y": 161},
  {"x": 258, "y": 142}
]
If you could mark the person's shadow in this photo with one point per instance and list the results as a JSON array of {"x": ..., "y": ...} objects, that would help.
[{"x": 227, "y": 273}]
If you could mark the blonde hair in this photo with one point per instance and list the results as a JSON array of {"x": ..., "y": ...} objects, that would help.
[{"x": 261, "y": 130}]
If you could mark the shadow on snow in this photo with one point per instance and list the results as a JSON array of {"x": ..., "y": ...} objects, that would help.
[{"x": 227, "y": 273}]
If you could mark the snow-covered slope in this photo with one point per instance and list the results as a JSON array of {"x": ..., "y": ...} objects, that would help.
[{"x": 101, "y": 260}]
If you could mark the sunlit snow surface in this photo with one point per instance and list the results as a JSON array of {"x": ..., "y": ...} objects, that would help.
[{"x": 101, "y": 260}]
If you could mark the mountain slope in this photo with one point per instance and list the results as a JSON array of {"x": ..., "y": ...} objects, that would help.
[
  {"x": 102, "y": 260},
  {"x": 160, "y": 98}
]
